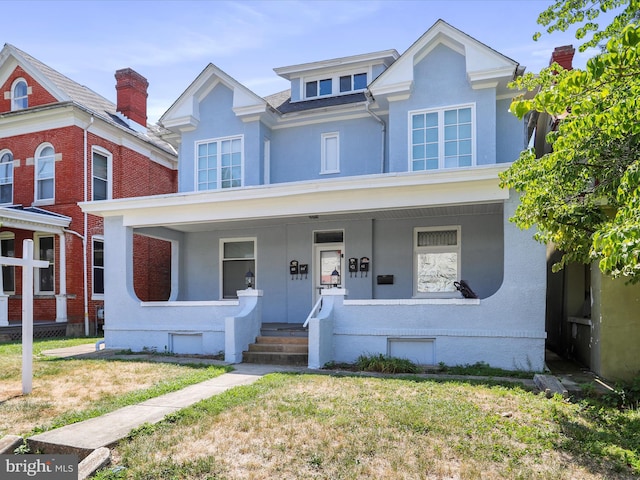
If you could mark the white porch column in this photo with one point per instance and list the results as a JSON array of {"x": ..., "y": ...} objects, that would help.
[{"x": 61, "y": 298}]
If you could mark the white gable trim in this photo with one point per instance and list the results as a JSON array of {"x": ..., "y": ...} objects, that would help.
[
  {"x": 10, "y": 59},
  {"x": 184, "y": 114},
  {"x": 482, "y": 62}
]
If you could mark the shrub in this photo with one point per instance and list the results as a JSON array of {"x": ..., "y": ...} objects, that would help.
[{"x": 386, "y": 364}]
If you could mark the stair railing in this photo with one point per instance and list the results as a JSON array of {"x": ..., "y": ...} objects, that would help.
[{"x": 314, "y": 311}]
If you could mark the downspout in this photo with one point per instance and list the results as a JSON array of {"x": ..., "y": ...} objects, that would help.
[
  {"x": 370, "y": 99},
  {"x": 85, "y": 276}
]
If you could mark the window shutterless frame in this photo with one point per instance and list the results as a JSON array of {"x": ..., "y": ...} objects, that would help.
[
  {"x": 443, "y": 137},
  {"x": 436, "y": 261},
  {"x": 219, "y": 163}
]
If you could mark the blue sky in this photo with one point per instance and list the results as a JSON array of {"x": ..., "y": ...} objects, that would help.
[{"x": 171, "y": 42}]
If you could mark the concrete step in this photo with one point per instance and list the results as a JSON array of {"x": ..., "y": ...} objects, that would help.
[
  {"x": 270, "y": 358},
  {"x": 282, "y": 340},
  {"x": 283, "y": 330},
  {"x": 279, "y": 347}
]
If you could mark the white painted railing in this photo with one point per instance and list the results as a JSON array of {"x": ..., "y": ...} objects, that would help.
[{"x": 314, "y": 311}]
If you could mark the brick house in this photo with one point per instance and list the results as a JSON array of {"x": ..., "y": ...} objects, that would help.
[{"x": 60, "y": 144}]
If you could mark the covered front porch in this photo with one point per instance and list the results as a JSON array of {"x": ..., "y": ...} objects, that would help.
[{"x": 397, "y": 246}]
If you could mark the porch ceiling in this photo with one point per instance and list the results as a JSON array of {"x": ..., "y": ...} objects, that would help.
[{"x": 443, "y": 211}]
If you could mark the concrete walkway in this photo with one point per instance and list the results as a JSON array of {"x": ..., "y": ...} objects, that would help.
[{"x": 84, "y": 437}]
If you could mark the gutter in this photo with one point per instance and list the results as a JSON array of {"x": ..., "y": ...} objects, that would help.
[{"x": 370, "y": 99}]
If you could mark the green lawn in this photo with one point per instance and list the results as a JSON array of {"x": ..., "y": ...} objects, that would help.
[{"x": 347, "y": 427}]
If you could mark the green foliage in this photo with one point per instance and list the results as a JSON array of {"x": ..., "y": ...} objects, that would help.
[
  {"x": 584, "y": 196},
  {"x": 626, "y": 395},
  {"x": 386, "y": 364}
]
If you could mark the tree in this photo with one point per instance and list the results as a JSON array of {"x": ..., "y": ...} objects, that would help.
[{"x": 584, "y": 196}]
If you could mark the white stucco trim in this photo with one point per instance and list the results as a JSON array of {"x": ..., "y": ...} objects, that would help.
[
  {"x": 416, "y": 301},
  {"x": 192, "y": 303},
  {"x": 330, "y": 196},
  {"x": 439, "y": 332}
]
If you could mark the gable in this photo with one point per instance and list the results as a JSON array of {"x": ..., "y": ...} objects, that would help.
[
  {"x": 37, "y": 93},
  {"x": 484, "y": 67},
  {"x": 185, "y": 114}
]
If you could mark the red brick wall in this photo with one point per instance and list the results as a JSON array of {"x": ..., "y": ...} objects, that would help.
[
  {"x": 133, "y": 175},
  {"x": 39, "y": 96}
]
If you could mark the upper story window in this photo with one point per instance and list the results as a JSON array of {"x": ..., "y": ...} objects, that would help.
[
  {"x": 19, "y": 95},
  {"x": 219, "y": 163},
  {"x": 6, "y": 177},
  {"x": 330, "y": 153},
  {"x": 319, "y": 88},
  {"x": 442, "y": 138},
  {"x": 45, "y": 173},
  {"x": 351, "y": 83},
  {"x": 101, "y": 175},
  {"x": 335, "y": 85}
]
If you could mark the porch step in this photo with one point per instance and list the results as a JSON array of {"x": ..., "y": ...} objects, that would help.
[
  {"x": 283, "y": 330},
  {"x": 279, "y": 347}
]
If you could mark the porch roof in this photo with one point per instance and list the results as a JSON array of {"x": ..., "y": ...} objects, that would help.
[
  {"x": 391, "y": 191},
  {"x": 33, "y": 219}
]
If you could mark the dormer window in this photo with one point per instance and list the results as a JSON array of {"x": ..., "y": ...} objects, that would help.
[
  {"x": 336, "y": 85},
  {"x": 351, "y": 83},
  {"x": 19, "y": 95},
  {"x": 319, "y": 88}
]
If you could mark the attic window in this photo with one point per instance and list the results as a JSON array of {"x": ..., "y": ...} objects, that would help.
[
  {"x": 19, "y": 95},
  {"x": 350, "y": 83},
  {"x": 319, "y": 88}
]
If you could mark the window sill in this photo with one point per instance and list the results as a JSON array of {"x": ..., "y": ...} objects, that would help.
[{"x": 39, "y": 203}]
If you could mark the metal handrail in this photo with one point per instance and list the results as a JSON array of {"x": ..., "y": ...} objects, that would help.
[{"x": 316, "y": 308}]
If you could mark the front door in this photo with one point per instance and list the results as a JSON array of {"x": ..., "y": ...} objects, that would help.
[{"x": 328, "y": 257}]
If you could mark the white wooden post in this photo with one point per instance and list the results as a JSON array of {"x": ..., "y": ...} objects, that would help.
[{"x": 28, "y": 263}]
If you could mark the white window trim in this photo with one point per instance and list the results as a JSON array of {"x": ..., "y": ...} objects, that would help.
[
  {"x": 335, "y": 83},
  {"x": 440, "y": 111},
  {"x": 436, "y": 249},
  {"x": 36, "y": 277},
  {"x": 105, "y": 153},
  {"x": 94, "y": 295},
  {"x": 2, "y": 152},
  {"x": 323, "y": 154},
  {"x": 9, "y": 236},
  {"x": 219, "y": 180},
  {"x": 36, "y": 159},
  {"x": 13, "y": 97},
  {"x": 222, "y": 242}
]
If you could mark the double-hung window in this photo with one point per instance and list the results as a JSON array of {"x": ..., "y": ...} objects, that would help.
[
  {"x": 6, "y": 177},
  {"x": 7, "y": 249},
  {"x": 101, "y": 174},
  {"x": 436, "y": 261},
  {"x": 45, "y": 173},
  {"x": 98, "y": 266},
  {"x": 219, "y": 163},
  {"x": 442, "y": 138},
  {"x": 45, "y": 277},
  {"x": 238, "y": 258}
]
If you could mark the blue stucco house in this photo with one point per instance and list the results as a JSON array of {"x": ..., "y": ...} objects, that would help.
[{"x": 381, "y": 168}]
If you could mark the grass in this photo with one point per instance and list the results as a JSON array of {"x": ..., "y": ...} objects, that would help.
[
  {"x": 344, "y": 427},
  {"x": 70, "y": 390}
]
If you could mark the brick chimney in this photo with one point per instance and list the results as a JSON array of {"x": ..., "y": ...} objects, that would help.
[
  {"x": 131, "y": 88},
  {"x": 563, "y": 56}
]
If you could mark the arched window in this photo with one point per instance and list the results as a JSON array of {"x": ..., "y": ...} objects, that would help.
[
  {"x": 6, "y": 177},
  {"x": 19, "y": 95},
  {"x": 45, "y": 173}
]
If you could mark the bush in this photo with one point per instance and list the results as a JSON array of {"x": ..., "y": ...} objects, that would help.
[{"x": 386, "y": 364}]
